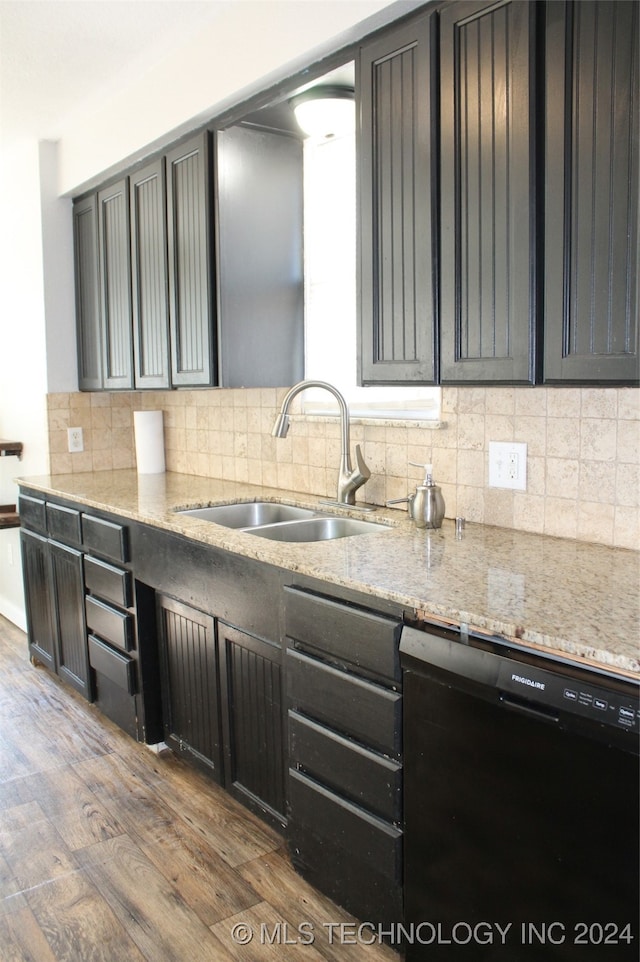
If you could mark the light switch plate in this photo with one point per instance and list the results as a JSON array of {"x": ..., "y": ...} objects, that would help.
[{"x": 508, "y": 465}]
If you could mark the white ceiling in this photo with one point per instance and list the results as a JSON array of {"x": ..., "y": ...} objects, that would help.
[{"x": 57, "y": 56}]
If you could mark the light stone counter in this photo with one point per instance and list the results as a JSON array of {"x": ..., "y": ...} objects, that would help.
[{"x": 573, "y": 598}]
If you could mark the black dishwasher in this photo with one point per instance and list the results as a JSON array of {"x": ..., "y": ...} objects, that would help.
[{"x": 521, "y": 792}]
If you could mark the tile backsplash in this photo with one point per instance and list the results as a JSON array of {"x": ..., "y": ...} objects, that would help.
[{"x": 583, "y": 450}]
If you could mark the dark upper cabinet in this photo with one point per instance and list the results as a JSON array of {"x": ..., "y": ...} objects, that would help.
[
  {"x": 487, "y": 308},
  {"x": 591, "y": 199},
  {"x": 149, "y": 277},
  {"x": 397, "y": 187},
  {"x": 115, "y": 285},
  {"x": 259, "y": 206},
  {"x": 88, "y": 333},
  {"x": 189, "y": 212}
]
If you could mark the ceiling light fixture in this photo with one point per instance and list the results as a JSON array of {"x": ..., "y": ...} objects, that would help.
[{"x": 325, "y": 111}]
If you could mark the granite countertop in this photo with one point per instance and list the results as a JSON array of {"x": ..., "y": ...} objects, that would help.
[{"x": 569, "y": 597}]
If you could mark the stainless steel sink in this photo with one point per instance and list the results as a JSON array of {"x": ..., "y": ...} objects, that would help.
[
  {"x": 317, "y": 529},
  {"x": 248, "y": 514}
]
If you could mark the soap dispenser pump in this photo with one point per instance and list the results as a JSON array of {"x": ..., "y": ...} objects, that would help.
[{"x": 426, "y": 505}]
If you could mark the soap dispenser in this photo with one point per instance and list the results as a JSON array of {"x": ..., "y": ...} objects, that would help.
[{"x": 426, "y": 505}]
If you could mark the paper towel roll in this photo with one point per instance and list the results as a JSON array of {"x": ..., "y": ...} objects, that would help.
[{"x": 149, "y": 435}]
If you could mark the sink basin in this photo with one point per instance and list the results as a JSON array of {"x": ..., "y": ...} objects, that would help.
[
  {"x": 248, "y": 514},
  {"x": 317, "y": 529}
]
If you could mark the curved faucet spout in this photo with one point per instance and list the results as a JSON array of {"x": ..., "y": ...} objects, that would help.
[{"x": 349, "y": 480}]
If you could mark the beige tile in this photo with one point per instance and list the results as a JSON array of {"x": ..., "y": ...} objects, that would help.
[
  {"x": 445, "y": 465},
  {"x": 60, "y": 463},
  {"x": 562, "y": 478},
  {"x": 498, "y": 427},
  {"x": 628, "y": 485},
  {"x": 102, "y": 460},
  {"x": 629, "y": 403},
  {"x": 449, "y": 400},
  {"x": 536, "y": 475},
  {"x": 300, "y": 450},
  {"x": 528, "y": 512},
  {"x": 500, "y": 400},
  {"x": 59, "y": 420},
  {"x": 563, "y": 438},
  {"x": 396, "y": 461},
  {"x": 595, "y": 522},
  {"x": 597, "y": 482},
  {"x": 598, "y": 439},
  {"x": 81, "y": 461},
  {"x": 241, "y": 469},
  {"x": 464, "y": 502},
  {"x": 472, "y": 400},
  {"x": 498, "y": 507},
  {"x": 58, "y": 401},
  {"x": 563, "y": 402},
  {"x": 471, "y": 431},
  {"x": 531, "y": 401},
  {"x": 284, "y": 477},
  {"x": 599, "y": 402},
  {"x": 241, "y": 446},
  {"x": 628, "y": 450},
  {"x": 470, "y": 468},
  {"x": 532, "y": 431},
  {"x": 626, "y": 527},
  {"x": 560, "y": 517}
]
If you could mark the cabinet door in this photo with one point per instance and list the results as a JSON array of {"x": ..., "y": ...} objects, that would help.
[
  {"x": 397, "y": 187},
  {"x": 85, "y": 243},
  {"x": 115, "y": 286},
  {"x": 189, "y": 672},
  {"x": 149, "y": 277},
  {"x": 68, "y": 590},
  {"x": 259, "y": 210},
  {"x": 487, "y": 305},
  {"x": 38, "y": 601},
  {"x": 190, "y": 283},
  {"x": 251, "y": 686},
  {"x": 591, "y": 202}
]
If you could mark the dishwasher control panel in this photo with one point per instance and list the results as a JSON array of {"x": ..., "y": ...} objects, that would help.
[{"x": 564, "y": 693}]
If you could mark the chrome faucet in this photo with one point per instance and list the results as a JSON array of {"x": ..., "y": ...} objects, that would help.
[{"x": 349, "y": 479}]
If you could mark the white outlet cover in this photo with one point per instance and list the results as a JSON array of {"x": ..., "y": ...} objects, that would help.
[
  {"x": 508, "y": 465},
  {"x": 75, "y": 440}
]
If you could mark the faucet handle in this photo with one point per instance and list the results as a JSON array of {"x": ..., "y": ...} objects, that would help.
[{"x": 362, "y": 467}]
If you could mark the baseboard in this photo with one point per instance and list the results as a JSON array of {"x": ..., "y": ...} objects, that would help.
[{"x": 14, "y": 613}]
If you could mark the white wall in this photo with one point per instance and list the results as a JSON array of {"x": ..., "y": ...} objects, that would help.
[
  {"x": 23, "y": 372},
  {"x": 249, "y": 46},
  {"x": 253, "y": 44}
]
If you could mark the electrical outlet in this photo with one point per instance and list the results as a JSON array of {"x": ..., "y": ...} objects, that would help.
[
  {"x": 75, "y": 441},
  {"x": 508, "y": 465}
]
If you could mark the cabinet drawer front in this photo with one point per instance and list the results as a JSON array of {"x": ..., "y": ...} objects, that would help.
[
  {"x": 105, "y": 538},
  {"x": 349, "y": 704},
  {"x": 362, "y": 638},
  {"x": 63, "y": 524},
  {"x": 118, "y": 668},
  {"x": 32, "y": 513},
  {"x": 373, "y": 781},
  {"x": 108, "y": 582},
  {"x": 325, "y": 815},
  {"x": 114, "y": 626}
]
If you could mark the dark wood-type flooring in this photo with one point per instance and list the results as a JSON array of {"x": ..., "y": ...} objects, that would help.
[{"x": 111, "y": 853}]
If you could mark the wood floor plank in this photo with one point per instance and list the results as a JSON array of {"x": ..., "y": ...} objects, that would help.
[
  {"x": 297, "y": 902},
  {"x": 151, "y": 910},
  {"x": 213, "y": 813},
  {"x": 74, "y": 810},
  {"x": 78, "y": 924},
  {"x": 36, "y": 854},
  {"x": 22, "y": 939},
  {"x": 271, "y": 938}
]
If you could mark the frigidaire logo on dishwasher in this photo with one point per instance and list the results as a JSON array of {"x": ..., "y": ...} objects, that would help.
[{"x": 522, "y": 680}]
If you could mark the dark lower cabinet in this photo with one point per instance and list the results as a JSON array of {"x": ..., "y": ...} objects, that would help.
[
  {"x": 71, "y": 630},
  {"x": 252, "y": 721},
  {"x": 38, "y": 599},
  {"x": 222, "y": 704},
  {"x": 592, "y": 138},
  {"x": 54, "y": 596},
  {"x": 344, "y": 787},
  {"x": 189, "y": 666}
]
